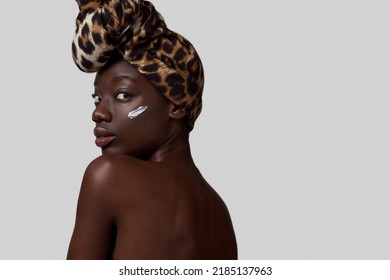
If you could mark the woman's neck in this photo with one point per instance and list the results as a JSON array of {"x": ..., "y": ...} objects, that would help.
[{"x": 175, "y": 149}]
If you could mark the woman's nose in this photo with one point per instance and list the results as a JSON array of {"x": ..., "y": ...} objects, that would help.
[{"x": 101, "y": 113}]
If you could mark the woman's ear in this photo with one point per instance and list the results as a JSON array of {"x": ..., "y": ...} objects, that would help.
[{"x": 175, "y": 112}]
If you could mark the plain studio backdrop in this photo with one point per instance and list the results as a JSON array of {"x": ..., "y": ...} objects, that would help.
[{"x": 294, "y": 133}]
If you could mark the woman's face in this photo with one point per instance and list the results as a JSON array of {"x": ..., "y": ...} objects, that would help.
[{"x": 120, "y": 89}]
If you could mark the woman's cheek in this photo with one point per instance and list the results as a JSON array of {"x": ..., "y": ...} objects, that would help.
[{"x": 137, "y": 112}]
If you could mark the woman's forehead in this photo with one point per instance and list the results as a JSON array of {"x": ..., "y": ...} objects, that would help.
[{"x": 117, "y": 71}]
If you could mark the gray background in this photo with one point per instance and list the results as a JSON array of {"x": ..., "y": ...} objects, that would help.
[{"x": 294, "y": 134}]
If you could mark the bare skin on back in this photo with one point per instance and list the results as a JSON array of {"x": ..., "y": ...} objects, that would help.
[{"x": 144, "y": 198}]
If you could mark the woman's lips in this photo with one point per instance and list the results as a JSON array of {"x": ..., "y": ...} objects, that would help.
[{"x": 103, "y": 137}]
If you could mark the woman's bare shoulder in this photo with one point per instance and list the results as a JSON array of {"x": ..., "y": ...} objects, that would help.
[
  {"x": 106, "y": 167},
  {"x": 109, "y": 180},
  {"x": 108, "y": 162},
  {"x": 97, "y": 208},
  {"x": 106, "y": 174}
]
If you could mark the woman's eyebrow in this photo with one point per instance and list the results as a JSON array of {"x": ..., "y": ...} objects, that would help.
[
  {"x": 123, "y": 77},
  {"x": 119, "y": 78}
]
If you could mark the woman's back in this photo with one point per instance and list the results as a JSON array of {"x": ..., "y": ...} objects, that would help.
[{"x": 172, "y": 214}]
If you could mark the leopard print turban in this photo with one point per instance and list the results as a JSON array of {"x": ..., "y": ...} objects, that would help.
[{"x": 136, "y": 31}]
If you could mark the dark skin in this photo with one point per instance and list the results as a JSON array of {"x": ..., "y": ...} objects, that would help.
[{"x": 144, "y": 198}]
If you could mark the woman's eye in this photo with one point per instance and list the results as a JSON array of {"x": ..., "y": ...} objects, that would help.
[
  {"x": 122, "y": 96},
  {"x": 96, "y": 98}
]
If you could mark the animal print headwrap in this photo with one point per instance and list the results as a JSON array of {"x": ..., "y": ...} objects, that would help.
[{"x": 136, "y": 31}]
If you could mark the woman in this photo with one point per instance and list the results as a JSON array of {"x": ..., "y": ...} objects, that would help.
[{"x": 144, "y": 198}]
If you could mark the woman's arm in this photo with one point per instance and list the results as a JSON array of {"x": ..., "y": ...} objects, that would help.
[{"x": 95, "y": 219}]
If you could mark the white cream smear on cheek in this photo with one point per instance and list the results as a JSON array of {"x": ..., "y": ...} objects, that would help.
[{"x": 135, "y": 113}]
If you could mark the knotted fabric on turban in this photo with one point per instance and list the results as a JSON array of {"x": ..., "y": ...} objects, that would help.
[{"x": 136, "y": 31}]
